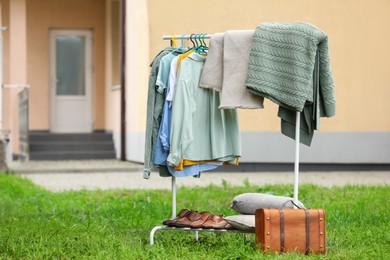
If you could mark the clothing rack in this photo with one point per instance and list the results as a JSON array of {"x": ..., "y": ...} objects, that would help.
[
  {"x": 185, "y": 36},
  {"x": 173, "y": 183}
]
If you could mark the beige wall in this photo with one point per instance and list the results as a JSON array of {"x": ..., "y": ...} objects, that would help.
[
  {"x": 44, "y": 15},
  {"x": 137, "y": 56},
  {"x": 358, "y": 36},
  {"x": 112, "y": 88}
]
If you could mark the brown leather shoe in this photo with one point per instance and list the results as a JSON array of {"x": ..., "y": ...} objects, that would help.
[
  {"x": 182, "y": 213},
  {"x": 216, "y": 222},
  {"x": 187, "y": 220},
  {"x": 198, "y": 223}
]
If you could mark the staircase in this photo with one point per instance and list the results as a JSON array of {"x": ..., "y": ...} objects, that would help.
[{"x": 89, "y": 146}]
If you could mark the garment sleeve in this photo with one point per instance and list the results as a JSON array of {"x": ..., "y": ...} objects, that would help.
[
  {"x": 172, "y": 80},
  {"x": 181, "y": 125},
  {"x": 326, "y": 80},
  {"x": 165, "y": 128},
  {"x": 163, "y": 75}
]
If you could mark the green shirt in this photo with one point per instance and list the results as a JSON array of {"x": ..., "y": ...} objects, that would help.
[
  {"x": 199, "y": 130},
  {"x": 154, "y": 111}
]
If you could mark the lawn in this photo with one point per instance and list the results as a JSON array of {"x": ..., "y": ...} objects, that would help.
[{"x": 38, "y": 224}]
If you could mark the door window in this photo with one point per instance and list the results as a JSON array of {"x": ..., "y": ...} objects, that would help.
[{"x": 70, "y": 64}]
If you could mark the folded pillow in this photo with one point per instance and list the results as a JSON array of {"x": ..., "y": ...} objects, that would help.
[
  {"x": 247, "y": 203},
  {"x": 242, "y": 222}
]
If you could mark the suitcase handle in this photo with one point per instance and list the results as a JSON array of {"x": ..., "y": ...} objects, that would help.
[{"x": 284, "y": 204}]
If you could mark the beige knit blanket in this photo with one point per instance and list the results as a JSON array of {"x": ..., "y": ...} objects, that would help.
[
  {"x": 226, "y": 68},
  {"x": 237, "y": 47}
]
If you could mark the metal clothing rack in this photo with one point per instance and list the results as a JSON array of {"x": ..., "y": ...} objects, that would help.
[{"x": 173, "y": 184}]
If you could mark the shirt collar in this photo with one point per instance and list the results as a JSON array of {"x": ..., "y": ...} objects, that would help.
[{"x": 197, "y": 57}]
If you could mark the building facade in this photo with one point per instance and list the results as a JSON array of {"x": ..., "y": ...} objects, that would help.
[{"x": 84, "y": 35}]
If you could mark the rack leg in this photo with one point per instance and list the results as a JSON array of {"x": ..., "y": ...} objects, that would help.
[
  {"x": 196, "y": 235},
  {"x": 296, "y": 163},
  {"x": 151, "y": 237},
  {"x": 173, "y": 197}
]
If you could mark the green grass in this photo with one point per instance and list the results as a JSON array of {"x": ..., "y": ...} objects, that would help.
[{"x": 38, "y": 224}]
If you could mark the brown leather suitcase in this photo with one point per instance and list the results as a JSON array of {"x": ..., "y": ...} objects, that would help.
[{"x": 286, "y": 230}]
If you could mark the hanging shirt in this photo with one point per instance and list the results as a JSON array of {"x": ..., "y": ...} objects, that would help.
[
  {"x": 166, "y": 126},
  {"x": 153, "y": 113},
  {"x": 192, "y": 170},
  {"x": 163, "y": 72},
  {"x": 166, "y": 80},
  {"x": 166, "y": 120},
  {"x": 173, "y": 74},
  {"x": 181, "y": 58},
  {"x": 161, "y": 149},
  {"x": 199, "y": 130},
  {"x": 172, "y": 80}
]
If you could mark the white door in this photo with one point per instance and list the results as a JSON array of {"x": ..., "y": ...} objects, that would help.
[{"x": 71, "y": 80}]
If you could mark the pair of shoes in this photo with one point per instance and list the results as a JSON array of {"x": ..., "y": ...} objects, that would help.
[
  {"x": 200, "y": 221},
  {"x": 182, "y": 213},
  {"x": 216, "y": 222},
  {"x": 186, "y": 221},
  {"x": 196, "y": 219}
]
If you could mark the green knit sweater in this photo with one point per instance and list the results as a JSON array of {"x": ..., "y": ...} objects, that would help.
[{"x": 282, "y": 68}]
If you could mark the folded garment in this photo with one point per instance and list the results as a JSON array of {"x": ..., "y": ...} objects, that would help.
[
  {"x": 236, "y": 49},
  {"x": 289, "y": 64},
  {"x": 212, "y": 74},
  {"x": 282, "y": 62}
]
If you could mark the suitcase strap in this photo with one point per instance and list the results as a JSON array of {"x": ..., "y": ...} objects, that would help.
[
  {"x": 281, "y": 231},
  {"x": 307, "y": 229},
  {"x": 307, "y": 232}
]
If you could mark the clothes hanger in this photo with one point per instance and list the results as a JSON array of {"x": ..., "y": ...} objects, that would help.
[
  {"x": 182, "y": 46},
  {"x": 193, "y": 43},
  {"x": 196, "y": 41},
  {"x": 173, "y": 41},
  {"x": 202, "y": 47},
  {"x": 205, "y": 48},
  {"x": 199, "y": 47},
  {"x": 179, "y": 49}
]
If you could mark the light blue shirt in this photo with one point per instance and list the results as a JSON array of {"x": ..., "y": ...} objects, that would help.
[
  {"x": 192, "y": 170},
  {"x": 161, "y": 148}
]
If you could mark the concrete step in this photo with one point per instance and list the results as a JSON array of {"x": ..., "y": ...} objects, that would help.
[
  {"x": 74, "y": 166},
  {"x": 50, "y": 137},
  {"x": 71, "y": 146},
  {"x": 77, "y": 146},
  {"x": 72, "y": 155}
]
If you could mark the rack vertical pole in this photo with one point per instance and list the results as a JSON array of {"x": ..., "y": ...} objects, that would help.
[
  {"x": 173, "y": 197},
  {"x": 296, "y": 163},
  {"x": 173, "y": 177}
]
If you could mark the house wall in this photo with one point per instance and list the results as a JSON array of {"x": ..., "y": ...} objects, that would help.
[
  {"x": 357, "y": 30},
  {"x": 137, "y": 71},
  {"x": 13, "y": 16},
  {"x": 44, "y": 15},
  {"x": 112, "y": 85}
]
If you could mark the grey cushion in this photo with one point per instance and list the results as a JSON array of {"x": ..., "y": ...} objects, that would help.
[
  {"x": 242, "y": 222},
  {"x": 247, "y": 203}
]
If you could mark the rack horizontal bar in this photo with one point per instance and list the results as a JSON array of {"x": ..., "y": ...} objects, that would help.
[
  {"x": 157, "y": 228},
  {"x": 186, "y": 36}
]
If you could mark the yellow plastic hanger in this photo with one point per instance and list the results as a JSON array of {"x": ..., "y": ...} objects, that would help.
[{"x": 173, "y": 41}]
